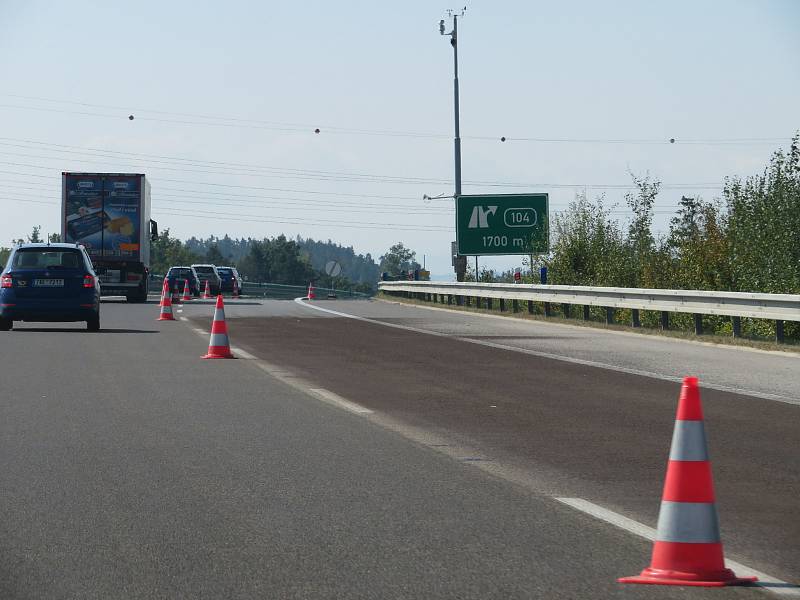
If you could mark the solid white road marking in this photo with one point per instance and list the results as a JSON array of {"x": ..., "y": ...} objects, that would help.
[
  {"x": 567, "y": 359},
  {"x": 329, "y": 396},
  {"x": 242, "y": 353},
  {"x": 767, "y": 582}
]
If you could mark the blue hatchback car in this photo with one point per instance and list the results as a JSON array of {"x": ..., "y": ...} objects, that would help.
[{"x": 49, "y": 282}]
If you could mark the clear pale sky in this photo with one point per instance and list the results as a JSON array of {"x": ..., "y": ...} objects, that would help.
[{"x": 226, "y": 97}]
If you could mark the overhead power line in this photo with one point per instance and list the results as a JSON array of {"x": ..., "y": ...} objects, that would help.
[{"x": 286, "y": 127}]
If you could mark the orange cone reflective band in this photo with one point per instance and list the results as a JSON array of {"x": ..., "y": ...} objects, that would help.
[
  {"x": 207, "y": 291},
  {"x": 166, "y": 304},
  {"x": 219, "y": 346},
  {"x": 186, "y": 295},
  {"x": 311, "y": 295},
  {"x": 688, "y": 548}
]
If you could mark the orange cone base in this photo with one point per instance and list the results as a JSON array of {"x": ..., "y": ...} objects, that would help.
[
  {"x": 702, "y": 579},
  {"x": 166, "y": 317},
  {"x": 219, "y": 352}
]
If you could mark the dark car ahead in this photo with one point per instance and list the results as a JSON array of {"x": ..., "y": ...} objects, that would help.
[
  {"x": 228, "y": 277},
  {"x": 49, "y": 282},
  {"x": 176, "y": 277},
  {"x": 208, "y": 273}
]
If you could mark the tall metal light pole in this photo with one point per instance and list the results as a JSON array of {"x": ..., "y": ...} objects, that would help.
[{"x": 460, "y": 271}]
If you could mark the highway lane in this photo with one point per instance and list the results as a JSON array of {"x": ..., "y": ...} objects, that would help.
[
  {"x": 769, "y": 373},
  {"x": 130, "y": 468},
  {"x": 560, "y": 428}
]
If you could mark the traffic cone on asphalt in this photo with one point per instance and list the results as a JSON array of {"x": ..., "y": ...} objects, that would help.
[
  {"x": 187, "y": 297},
  {"x": 311, "y": 295},
  {"x": 688, "y": 549},
  {"x": 207, "y": 291},
  {"x": 166, "y": 304},
  {"x": 219, "y": 346},
  {"x": 235, "y": 293}
]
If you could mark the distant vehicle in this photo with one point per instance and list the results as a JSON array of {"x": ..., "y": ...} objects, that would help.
[
  {"x": 229, "y": 276},
  {"x": 109, "y": 214},
  {"x": 208, "y": 273},
  {"x": 49, "y": 282},
  {"x": 176, "y": 277}
]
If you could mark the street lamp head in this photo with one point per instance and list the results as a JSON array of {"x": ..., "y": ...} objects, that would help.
[{"x": 441, "y": 27}]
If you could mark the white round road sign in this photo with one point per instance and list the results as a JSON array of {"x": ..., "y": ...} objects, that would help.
[{"x": 333, "y": 268}]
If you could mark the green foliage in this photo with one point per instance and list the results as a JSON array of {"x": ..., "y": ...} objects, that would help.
[
  {"x": 357, "y": 268},
  {"x": 748, "y": 241},
  {"x": 276, "y": 260},
  {"x": 214, "y": 256},
  {"x": 35, "y": 235},
  {"x": 589, "y": 247},
  {"x": 168, "y": 252},
  {"x": 4, "y": 254},
  {"x": 763, "y": 226},
  {"x": 397, "y": 259}
]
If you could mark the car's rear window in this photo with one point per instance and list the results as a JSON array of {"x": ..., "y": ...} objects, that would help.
[
  {"x": 181, "y": 273},
  {"x": 205, "y": 270},
  {"x": 47, "y": 259},
  {"x": 223, "y": 272}
]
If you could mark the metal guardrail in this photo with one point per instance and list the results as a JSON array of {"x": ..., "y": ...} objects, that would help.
[
  {"x": 778, "y": 307},
  {"x": 290, "y": 292}
]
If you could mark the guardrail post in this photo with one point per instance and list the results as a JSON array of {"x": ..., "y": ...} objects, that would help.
[
  {"x": 565, "y": 308},
  {"x": 635, "y": 321},
  {"x": 664, "y": 320},
  {"x": 779, "y": 331},
  {"x": 530, "y": 307},
  {"x": 449, "y": 299},
  {"x": 698, "y": 324},
  {"x": 737, "y": 327},
  {"x": 609, "y": 315},
  {"x": 515, "y": 306},
  {"x": 547, "y": 311},
  {"x": 502, "y": 305},
  {"x": 586, "y": 314}
]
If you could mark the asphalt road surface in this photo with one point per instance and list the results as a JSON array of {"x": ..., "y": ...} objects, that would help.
[{"x": 131, "y": 468}]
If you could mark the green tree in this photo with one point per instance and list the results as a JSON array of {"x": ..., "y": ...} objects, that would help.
[
  {"x": 214, "y": 256},
  {"x": 642, "y": 262},
  {"x": 35, "y": 235},
  {"x": 397, "y": 259},
  {"x": 168, "y": 252},
  {"x": 277, "y": 260},
  {"x": 588, "y": 247}
]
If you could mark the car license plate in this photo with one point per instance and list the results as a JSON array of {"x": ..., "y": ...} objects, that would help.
[{"x": 48, "y": 282}]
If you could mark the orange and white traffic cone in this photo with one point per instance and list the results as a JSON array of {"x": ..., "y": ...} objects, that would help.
[
  {"x": 219, "y": 346},
  {"x": 166, "y": 304},
  {"x": 235, "y": 288},
  {"x": 311, "y": 295},
  {"x": 687, "y": 548},
  {"x": 207, "y": 291},
  {"x": 187, "y": 296}
]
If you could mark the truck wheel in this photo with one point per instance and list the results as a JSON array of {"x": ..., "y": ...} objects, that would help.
[
  {"x": 93, "y": 324},
  {"x": 6, "y": 324},
  {"x": 138, "y": 297}
]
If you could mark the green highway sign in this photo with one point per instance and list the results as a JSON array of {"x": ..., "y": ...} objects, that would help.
[{"x": 502, "y": 224}]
